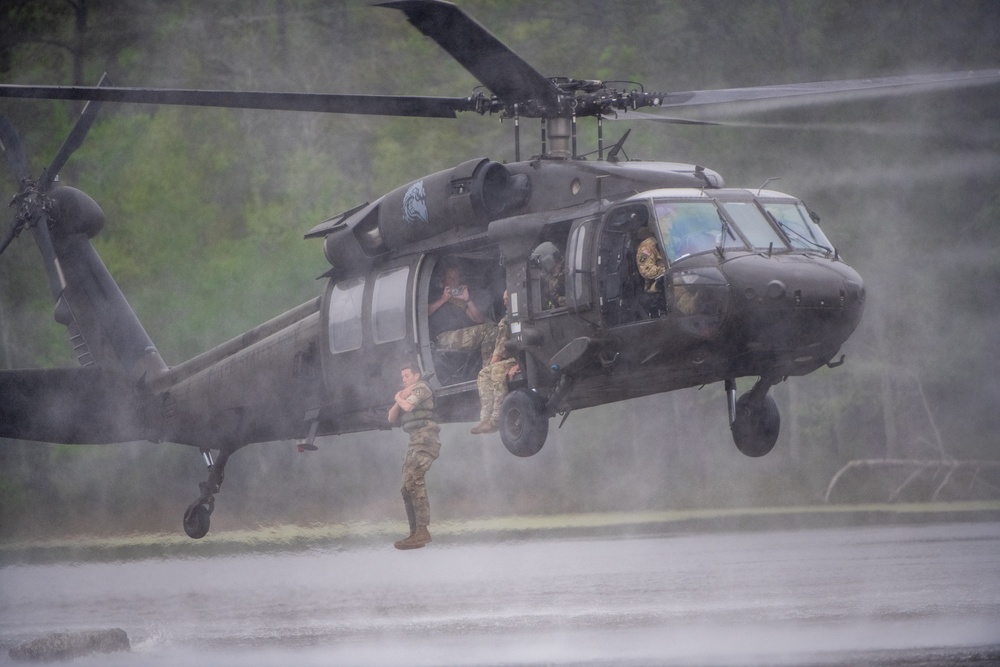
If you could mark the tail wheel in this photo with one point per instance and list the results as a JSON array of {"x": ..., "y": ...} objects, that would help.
[
  {"x": 755, "y": 428},
  {"x": 196, "y": 521},
  {"x": 523, "y": 423}
]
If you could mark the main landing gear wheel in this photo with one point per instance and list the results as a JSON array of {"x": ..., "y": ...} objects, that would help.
[
  {"x": 197, "y": 515},
  {"x": 756, "y": 425},
  {"x": 523, "y": 423},
  {"x": 197, "y": 521}
]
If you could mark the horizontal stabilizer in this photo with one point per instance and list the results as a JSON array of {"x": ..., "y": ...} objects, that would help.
[{"x": 71, "y": 406}]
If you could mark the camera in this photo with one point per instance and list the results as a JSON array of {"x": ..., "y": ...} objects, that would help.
[{"x": 455, "y": 291}]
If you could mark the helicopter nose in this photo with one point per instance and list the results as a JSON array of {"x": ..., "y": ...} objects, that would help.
[{"x": 804, "y": 306}]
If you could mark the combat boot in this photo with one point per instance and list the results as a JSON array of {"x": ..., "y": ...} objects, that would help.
[
  {"x": 489, "y": 427},
  {"x": 481, "y": 427},
  {"x": 419, "y": 538}
]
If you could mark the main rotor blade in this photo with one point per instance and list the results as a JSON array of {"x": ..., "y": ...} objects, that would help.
[
  {"x": 73, "y": 141},
  {"x": 799, "y": 94},
  {"x": 377, "y": 105},
  {"x": 10, "y": 143},
  {"x": 505, "y": 73},
  {"x": 12, "y": 147},
  {"x": 671, "y": 120}
]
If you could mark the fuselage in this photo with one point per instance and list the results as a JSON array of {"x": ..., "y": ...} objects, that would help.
[{"x": 750, "y": 287}]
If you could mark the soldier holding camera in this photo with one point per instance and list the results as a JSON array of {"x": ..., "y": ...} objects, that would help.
[{"x": 456, "y": 319}]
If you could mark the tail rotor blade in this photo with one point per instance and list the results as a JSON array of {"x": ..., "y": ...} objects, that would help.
[
  {"x": 53, "y": 270},
  {"x": 11, "y": 235}
]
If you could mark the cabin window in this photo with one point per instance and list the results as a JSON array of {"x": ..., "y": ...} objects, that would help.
[
  {"x": 798, "y": 226},
  {"x": 345, "y": 315},
  {"x": 548, "y": 277},
  {"x": 754, "y": 225},
  {"x": 389, "y": 306}
]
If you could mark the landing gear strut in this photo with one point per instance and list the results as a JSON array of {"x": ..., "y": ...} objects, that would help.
[
  {"x": 197, "y": 516},
  {"x": 754, "y": 418}
]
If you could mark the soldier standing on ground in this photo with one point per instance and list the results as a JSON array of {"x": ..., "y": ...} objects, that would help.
[{"x": 414, "y": 408}]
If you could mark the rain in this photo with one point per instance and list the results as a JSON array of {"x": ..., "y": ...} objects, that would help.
[{"x": 638, "y": 534}]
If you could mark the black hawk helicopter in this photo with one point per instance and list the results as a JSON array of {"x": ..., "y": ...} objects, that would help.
[{"x": 751, "y": 287}]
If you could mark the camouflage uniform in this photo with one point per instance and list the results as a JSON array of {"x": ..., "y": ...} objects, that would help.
[
  {"x": 650, "y": 261},
  {"x": 554, "y": 288},
  {"x": 425, "y": 445},
  {"x": 492, "y": 379},
  {"x": 483, "y": 336}
]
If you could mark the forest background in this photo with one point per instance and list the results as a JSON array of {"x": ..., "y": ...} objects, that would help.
[{"x": 206, "y": 209}]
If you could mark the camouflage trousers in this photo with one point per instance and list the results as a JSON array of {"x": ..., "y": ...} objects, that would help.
[
  {"x": 423, "y": 450},
  {"x": 492, "y": 384},
  {"x": 483, "y": 336}
]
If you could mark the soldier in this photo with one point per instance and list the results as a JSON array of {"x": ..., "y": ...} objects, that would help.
[
  {"x": 492, "y": 379},
  {"x": 414, "y": 408},
  {"x": 553, "y": 281},
  {"x": 650, "y": 260},
  {"x": 456, "y": 318}
]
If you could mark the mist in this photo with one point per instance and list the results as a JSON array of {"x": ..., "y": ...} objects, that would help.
[{"x": 206, "y": 209}]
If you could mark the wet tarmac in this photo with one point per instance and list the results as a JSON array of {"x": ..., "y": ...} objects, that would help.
[{"x": 873, "y": 595}]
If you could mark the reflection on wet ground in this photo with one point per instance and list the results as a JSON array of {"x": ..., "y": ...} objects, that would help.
[{"x": 865, "y": 595}]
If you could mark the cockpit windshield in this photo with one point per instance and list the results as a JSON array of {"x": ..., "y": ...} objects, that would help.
[
  {"x": 690, "y": 227},
  {"x": 797, "y": 224},
  {"x": 754, "y": 225}
]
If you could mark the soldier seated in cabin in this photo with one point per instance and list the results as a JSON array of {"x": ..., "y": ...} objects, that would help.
[
  {"x": 492, "y": 379},
  {"x": 458, "y": 316}
]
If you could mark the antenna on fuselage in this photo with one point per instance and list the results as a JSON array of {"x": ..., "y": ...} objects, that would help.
[
  {"x": 617, "y": 148},
  {"x": 764, "y": 184}
]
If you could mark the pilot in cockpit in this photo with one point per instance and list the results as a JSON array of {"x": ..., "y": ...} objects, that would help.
[{"x": 649, "y": 260}]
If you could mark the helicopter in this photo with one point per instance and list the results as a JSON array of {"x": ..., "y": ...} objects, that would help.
[{"x": 752, "y": 286}]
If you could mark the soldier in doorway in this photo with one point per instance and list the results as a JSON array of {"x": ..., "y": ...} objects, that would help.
[
  {"x": 457, "y": 319},
  {"x": 492, "y": 379}
]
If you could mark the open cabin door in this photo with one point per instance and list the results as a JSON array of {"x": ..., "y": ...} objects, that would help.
[
  {"x": 620, "y": 286},
  {"x": 482, "y": 275}
]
